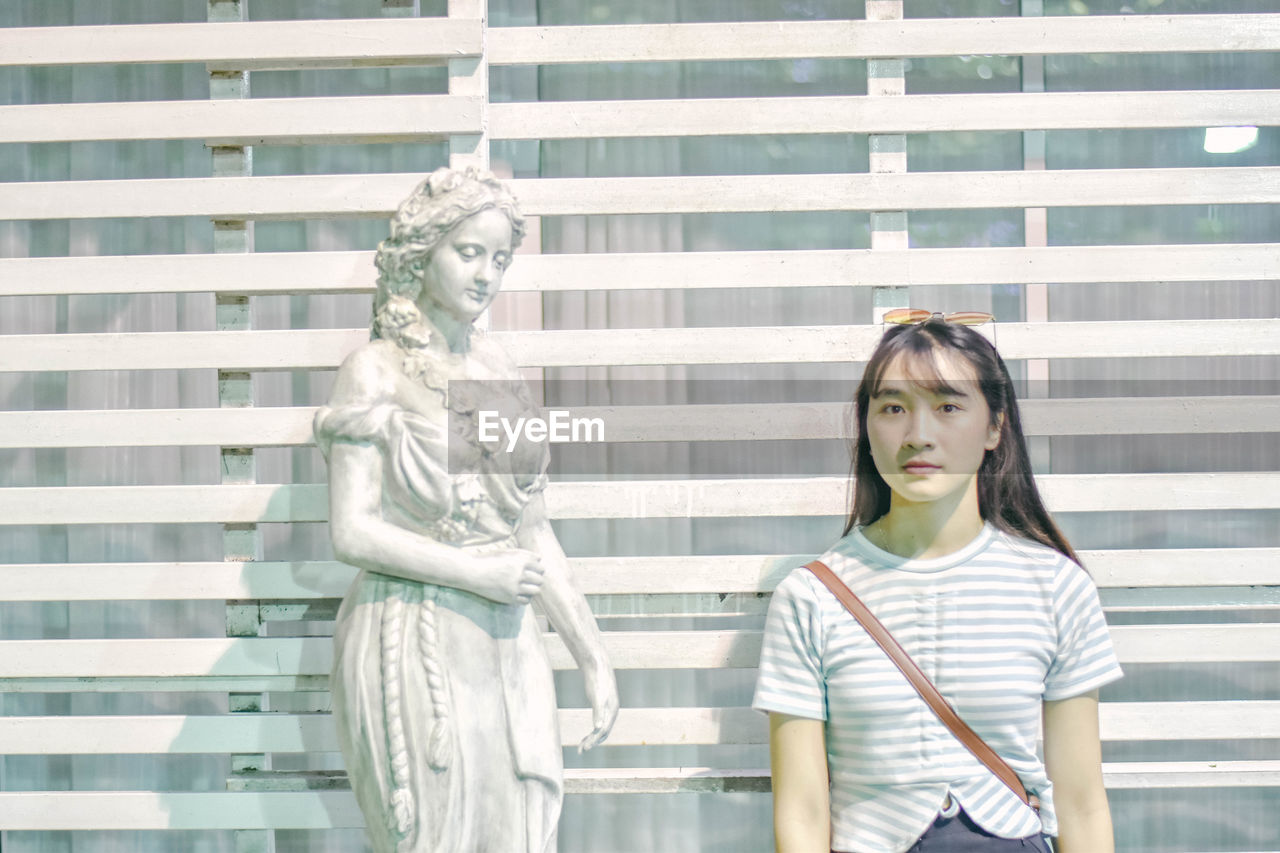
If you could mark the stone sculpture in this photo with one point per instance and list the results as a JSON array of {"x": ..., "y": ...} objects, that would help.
[{"x": 442, "y": 690}]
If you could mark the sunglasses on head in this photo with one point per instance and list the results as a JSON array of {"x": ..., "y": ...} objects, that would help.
[{"x": 913, "y": 316}]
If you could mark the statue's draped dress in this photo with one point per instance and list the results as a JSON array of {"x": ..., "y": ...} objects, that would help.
[{"x": 444, "y": 700}]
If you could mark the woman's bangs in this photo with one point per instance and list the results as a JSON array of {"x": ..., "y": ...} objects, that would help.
[{"x": 924, "y": 368}]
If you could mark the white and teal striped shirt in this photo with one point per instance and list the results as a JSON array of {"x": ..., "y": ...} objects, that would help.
[{"x": 998, "y": 626}]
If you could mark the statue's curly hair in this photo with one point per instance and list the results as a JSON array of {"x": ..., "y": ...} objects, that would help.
[{"x": 446, "y": 198}]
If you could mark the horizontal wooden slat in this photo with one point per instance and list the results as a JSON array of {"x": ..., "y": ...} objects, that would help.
[
  {"x": 251, "y": 733},
  {"x": 139, "y": 810},
  {"x": 416, "y": 118},
  {"x": 148, "y": 810},
  {"x": 911, "y": 114},
  {"x": 709, "y": 498},
  {"x": 910, "y": 191},
  {"x": 617, "y": 576},
  {"x": 1144, "y": 721},
  {"x": 281, "y": 733},
  {"x": 253, "y": 45},
  {"x": 374, "y": 195},
  {"x": 249, "y": 274},
  {"x": 326, "y": 348},
  {"x": 353, "y": 272},
  {"x": 36, "y": 660},
  {"x": 291, "y": 427},
  {"x": 371, "y": 42},
  {"x": 254, "y": 121},
  {"x": 247, "y": 427},
  {"x": 1183, "y": 567},
  {"x": 1192, "y": 774},
  {"x": 272, "y": 657},
  {"x": 883, "y": 39}
]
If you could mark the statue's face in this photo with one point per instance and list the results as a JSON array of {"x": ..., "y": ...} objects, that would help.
[{"x": 463, "y": 273}]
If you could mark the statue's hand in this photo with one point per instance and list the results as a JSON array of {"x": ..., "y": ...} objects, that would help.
[
  {"x": 602, "y": 690},
  {"x": 510, "y": 577}
]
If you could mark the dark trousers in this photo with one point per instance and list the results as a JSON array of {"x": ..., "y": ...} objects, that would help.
[{"x": 959, "y": 834}]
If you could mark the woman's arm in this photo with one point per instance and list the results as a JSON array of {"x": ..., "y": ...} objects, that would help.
[
  {"x": 568, "y": 613},
  {"x": 363, "y": 538},
  {"x": 801, "y": 795},
  {"x": 1073, "y": 760}
]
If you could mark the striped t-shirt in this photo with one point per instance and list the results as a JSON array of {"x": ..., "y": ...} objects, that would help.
[{"x": 998, "y": 626}]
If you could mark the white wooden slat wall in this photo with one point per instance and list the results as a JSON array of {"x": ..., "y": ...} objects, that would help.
[{"x": 1242, "y": 577}]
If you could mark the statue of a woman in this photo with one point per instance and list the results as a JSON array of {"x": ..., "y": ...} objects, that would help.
[{"x": 442, "y": 690}]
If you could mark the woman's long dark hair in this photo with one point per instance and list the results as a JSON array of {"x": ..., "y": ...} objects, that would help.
[{"x": 1007, "y": 494}]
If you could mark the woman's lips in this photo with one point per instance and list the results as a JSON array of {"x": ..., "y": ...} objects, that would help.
[{"x": 920, "y": 468}]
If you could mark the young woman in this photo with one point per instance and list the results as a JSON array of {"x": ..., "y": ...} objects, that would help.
[{"x": 950, "y": 546}]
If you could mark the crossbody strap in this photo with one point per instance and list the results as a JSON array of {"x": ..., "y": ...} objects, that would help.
[{"x": 922, "y": 684}]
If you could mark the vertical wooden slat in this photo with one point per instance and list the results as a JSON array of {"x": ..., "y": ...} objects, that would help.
[
  {"x": 888, "y": 154},
  {"x": 1035, "y": 234},
  {"x": 470, "y": 76},
  {"x": 241, "y": 542}
]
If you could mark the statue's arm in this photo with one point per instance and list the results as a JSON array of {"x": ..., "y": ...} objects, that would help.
[
  {"x": 567, "y": 611},
  {"x": 363, "y": 538}
]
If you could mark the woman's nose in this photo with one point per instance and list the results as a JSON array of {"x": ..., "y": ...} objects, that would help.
[{"x": 920, "y": 431}]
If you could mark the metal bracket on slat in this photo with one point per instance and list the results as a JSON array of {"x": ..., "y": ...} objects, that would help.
[{"x": 404, "y": 8}]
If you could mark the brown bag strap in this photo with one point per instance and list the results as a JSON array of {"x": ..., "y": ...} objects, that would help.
[{"x": 922, "y": 684}]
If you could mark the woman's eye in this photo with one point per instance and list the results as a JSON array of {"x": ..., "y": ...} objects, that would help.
[
  {"x": 949, "y": 408},
  {"x": 892, "y": 409},
  {"x": 468, "y": 252}
]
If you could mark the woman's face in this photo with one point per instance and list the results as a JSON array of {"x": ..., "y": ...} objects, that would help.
[
  {"x": 929, "y": 426},
  {"x": 462, "y": 275}
]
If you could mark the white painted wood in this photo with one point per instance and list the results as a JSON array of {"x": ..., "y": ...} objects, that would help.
[
  {"x": 666, "y": 780},
  {"x": 306, "y": 580},
  {"x": 247, "y": 274},
  {"x": 135, "y": 810},
  {"x": 325, "y": 348},
  {"x": 1150, "y": 415},
  {"x": 908, "y": 114},
  {"x": 353, "y": 272},
  {"x": 1192, "y": 774},
  {"x": 911, "y": 191},
  {"x": 709, "y": 498},
  {"x": 257, "y": 121},
  {"x": 250, "y": 46},
  {"x": 296, "y": 733},
  {"x": 243, "y": 351},
  {"x": 333, "y": 196},
  {"x": 883, "y": 39},
  {"x": 1184, "y": 567},
  {"x": 700, "y": 649},
  {"x": 144, "y": 810},
  {"x": 291, "y": 427},
  {"x": 217, "y": 581},
  {"x": 309, "y": 684},
  {"x": 840, "y": 344},
  {"x": 227, "y": 427},
  {"x": 417, "y": 118},
  {"x": 1234, "y": 720}
]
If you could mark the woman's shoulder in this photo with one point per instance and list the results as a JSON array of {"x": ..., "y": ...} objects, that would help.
[
  {"x": 1038, "y": 555},
  {"x": 799, "y": 584}
]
